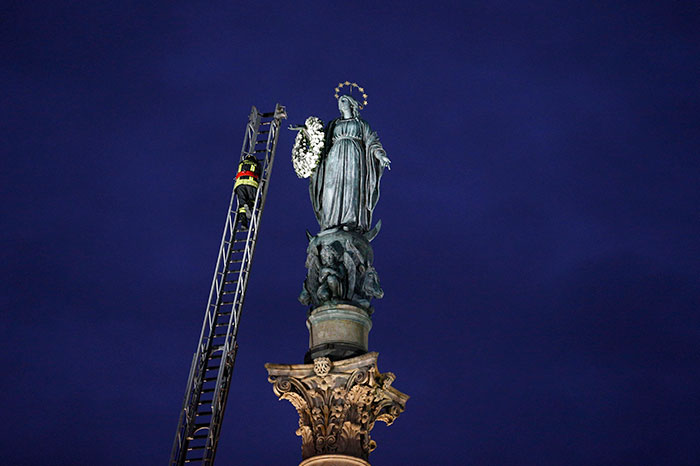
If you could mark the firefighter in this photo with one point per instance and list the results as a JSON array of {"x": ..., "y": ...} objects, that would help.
[{"x": 246, "y": 187}]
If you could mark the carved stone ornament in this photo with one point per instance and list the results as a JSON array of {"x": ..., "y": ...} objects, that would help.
[
  {"x": 322, "y": 366},
  {"x": 339, "y": 270},
  {"x": 338, "y": 408}
]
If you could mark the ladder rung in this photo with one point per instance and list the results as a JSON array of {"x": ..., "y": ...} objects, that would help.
[
  {"x": 207, "y": 390},
  {"x": 259, "y": 150},
  {"x": 190, "y": 460},
  {"x": 265, "y": 131},
  {"x": 208, "y": 379},
  {"x": 238, "y": 240},
  {"x": 206, "y": 413},
  {"x": 199, "y": 447},
  {"x": 267, "y": 115}
]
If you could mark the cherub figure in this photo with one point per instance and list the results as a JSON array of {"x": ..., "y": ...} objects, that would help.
[{"x": 332, "y": 275}]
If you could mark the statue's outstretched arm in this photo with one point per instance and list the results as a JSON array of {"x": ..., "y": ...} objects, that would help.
[
  {"x": 301, "y": 128},
  {"x": 375, "y": 147},
  {"x": 384, "y": 161}
]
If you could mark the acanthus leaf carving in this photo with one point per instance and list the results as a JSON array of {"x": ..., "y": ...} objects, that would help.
[{"x": 338, "y": 408}]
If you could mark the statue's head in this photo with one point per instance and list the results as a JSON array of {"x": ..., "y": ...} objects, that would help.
[{"x": 348, "y": 104}]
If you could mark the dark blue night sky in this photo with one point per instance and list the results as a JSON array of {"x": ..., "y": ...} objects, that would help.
[{"x": 539, "y": 252}]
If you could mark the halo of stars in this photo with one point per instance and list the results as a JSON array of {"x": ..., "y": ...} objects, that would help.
[{"x": 348, "y": 83}]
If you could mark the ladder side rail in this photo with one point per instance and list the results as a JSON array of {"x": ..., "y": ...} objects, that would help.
[
  {"x": 229, "y": 227},
  {"x": 253, "y": 229},
  {"x": 241, "y": 286},
  {"x": 251, "y": 131},
  {"x": 199, "y": 359},
  {"x": 219, "y": 407},
  {"x": 180, "y": 433},
  {"x": 221, "y": 417},
  {"x": 261, "y": 197},
  {"x": 249, "y": 136},
  {"x": 242, "y": 274},
  {"x": 213, "y": 309},
  {"x": 198, "y": 367},
  {"x": 199, "y": 363},
  {"x": 224, "y": 376},
  {"x": 230, "y": 346},
  {"x": 225, "y": 347}
]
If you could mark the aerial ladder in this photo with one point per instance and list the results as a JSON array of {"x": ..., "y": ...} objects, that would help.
[{"x": 209, "y": 380}]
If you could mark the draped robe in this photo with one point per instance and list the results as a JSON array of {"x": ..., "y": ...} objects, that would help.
[{"x": 344, "y": 188}]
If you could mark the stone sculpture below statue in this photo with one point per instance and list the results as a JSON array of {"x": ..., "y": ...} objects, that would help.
[{"x": 340, "y": 270}]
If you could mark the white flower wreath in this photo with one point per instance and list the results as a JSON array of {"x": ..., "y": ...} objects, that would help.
[{"x": 308, "y": 146}]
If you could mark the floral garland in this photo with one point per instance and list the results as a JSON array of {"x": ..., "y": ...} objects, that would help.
[{"x": 308, "y": 146}]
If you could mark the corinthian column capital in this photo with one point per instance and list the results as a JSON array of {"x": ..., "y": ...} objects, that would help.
[{"x": 338, "y": 403}]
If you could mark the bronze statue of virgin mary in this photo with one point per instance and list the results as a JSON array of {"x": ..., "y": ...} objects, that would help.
[{"x": 344, "y": 188}]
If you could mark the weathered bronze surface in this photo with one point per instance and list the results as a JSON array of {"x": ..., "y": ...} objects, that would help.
[
  {"x": 340, "y": 270},
  {"x": 344, "y": 188}
]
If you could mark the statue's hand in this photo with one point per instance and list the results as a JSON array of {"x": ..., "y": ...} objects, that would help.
[
  {"x": 384, "y": 161},
  {"x": 301, "y": 128}
]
